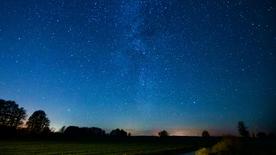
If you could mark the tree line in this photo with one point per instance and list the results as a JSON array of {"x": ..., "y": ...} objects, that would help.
[
  {"x": 13, "y": 123},
  {"x": 12, "y": 118}
]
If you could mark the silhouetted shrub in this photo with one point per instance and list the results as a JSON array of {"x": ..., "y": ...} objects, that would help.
[
  {"x": 74, "y": 131},
  {"x": 243, "y": 129},
  {"x": 163, "y": 133},
  {"x": 118, "y": 133},
  {"x": 271, "y": 135},
  {"x": 205, "y": 133},
  {"x": 261, "y": 135}
]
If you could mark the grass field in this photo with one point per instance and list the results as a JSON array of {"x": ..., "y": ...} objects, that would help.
[
  {"x": 93, "y": 148},
  {"x": 134, "y": 146}
]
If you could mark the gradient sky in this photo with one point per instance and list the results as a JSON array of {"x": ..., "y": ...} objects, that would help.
[{"x": 144, "y": 65}]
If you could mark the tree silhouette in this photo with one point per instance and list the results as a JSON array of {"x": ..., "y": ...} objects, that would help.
[
  {"x": 163, "y": 133},
  {"x": 62, "y": 129},
  {"x": 118, "y": 133},
  {"x": 11, "y": 115},
  {"x": 75, "y": 131},
  {"x": 72, "y": 131},
  {"x": 46, "y": 131},
  {"x": 38, "y": 121},
  {"x": 243, "y": 129},
  {"x": 205, "y": 133}
]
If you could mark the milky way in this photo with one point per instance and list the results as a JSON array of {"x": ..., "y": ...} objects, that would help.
[{"x": 141, "y": 65}]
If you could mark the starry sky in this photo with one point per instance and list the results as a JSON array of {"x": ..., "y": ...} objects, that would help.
[{"x": 142, "y": 65}]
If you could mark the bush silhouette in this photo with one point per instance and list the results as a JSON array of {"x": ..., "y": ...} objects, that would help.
[
  {"x": 261, "y": 135},
  {"x": 205, "y": 133},
  {"x": 163, "y": 133},
  {"x": 74, "y": 131},
  {"x": 243, "y": 129},
  {"x": 118, "y": 133}
]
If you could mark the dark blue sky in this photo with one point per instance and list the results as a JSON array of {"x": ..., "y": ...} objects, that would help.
[{"x": 181, "y": 65}]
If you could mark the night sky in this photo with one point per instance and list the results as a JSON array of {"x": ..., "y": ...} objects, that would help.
[{"x": 142, "y": 65}]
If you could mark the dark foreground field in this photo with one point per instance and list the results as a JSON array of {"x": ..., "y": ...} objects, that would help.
[
  {"x": 241, "y": 146},
  {"x": 140, "y": 146},
  {"x": 134, "y": 146}
]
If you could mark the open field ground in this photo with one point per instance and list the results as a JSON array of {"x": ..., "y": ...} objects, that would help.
[
  {"x": 139, "y": 146},
  {"x": 20, "y": 147}
]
